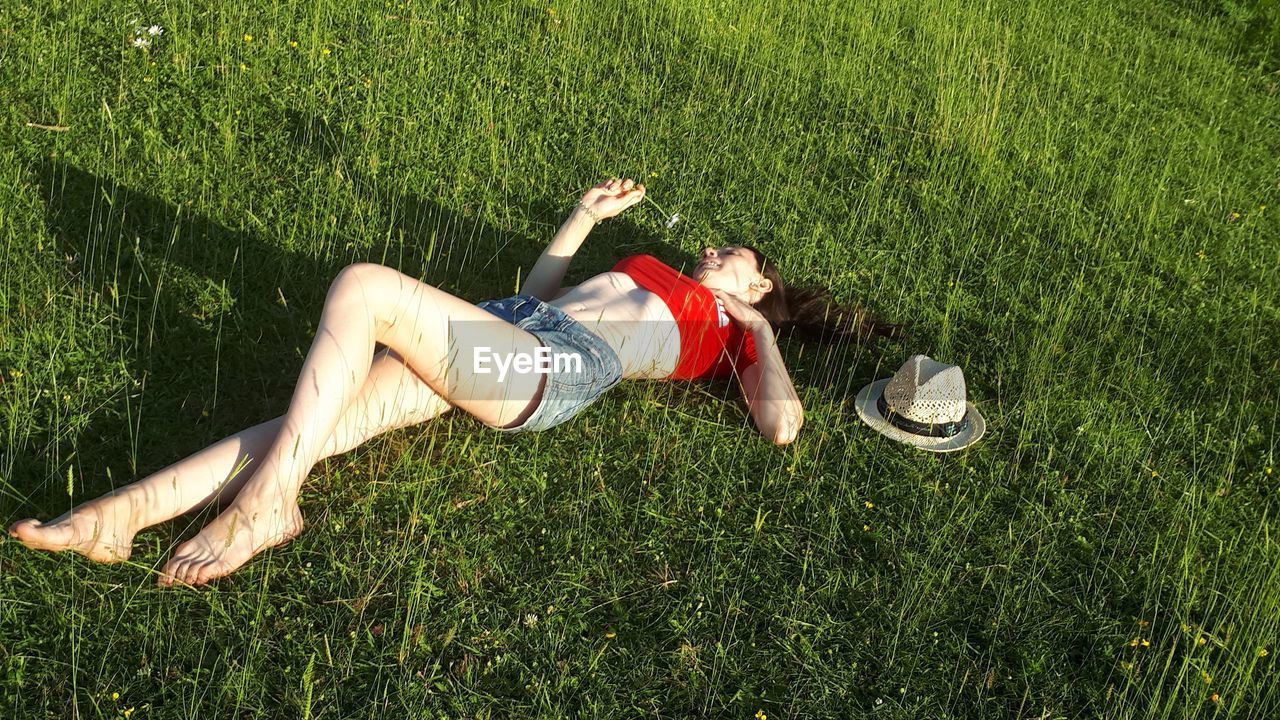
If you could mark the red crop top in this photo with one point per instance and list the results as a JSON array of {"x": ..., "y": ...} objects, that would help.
[{"x": 711, "y": 343}]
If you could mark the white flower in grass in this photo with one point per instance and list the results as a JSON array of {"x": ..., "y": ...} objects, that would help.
[
  {"x": 155, "y": 30},
  {"x": 141, "y": 42},
  {"x": 674, "y": 219}
]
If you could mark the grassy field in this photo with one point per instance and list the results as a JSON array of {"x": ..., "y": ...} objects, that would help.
[{"x": 1077, "y": 202}]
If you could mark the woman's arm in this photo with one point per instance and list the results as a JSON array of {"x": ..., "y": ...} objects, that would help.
[
  {"x": 766, "y": 385},
  {"x": 605, "y": 200},
  {"x": 771, "y": 398},
  {"x": 544, "y": 279}
]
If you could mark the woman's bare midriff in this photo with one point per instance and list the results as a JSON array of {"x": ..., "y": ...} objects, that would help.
[{"x": 636, "y": 323}]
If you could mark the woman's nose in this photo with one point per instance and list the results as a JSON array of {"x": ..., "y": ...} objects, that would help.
[{"x": 708, "y": 252}]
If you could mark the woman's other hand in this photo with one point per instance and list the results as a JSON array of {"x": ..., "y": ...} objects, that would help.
[
  {"x": 747, "y": 317},
  {"x": 611, "y": 197}
]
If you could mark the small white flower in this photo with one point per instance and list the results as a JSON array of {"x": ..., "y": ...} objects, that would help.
[
  {"x": 674, "y": 219},
  {"x": 141, "y": 42},
  {"x": 155, "y": 30},
  {"x": 530, "y": 620}
]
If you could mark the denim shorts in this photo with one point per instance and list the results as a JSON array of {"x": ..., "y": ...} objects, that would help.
[{"x": 564, "y": 394}]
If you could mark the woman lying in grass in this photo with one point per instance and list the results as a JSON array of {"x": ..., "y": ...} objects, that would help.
[{"x": 527, "y": 362}]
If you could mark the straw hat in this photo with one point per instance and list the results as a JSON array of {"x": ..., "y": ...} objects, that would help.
[{"x": 923, "y": 404}]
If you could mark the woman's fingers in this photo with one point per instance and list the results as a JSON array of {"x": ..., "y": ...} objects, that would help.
[
  {"x": 619, "y": 193},
  {"x": 619, "y": 185},
  {"x": 731, "y": 303}
]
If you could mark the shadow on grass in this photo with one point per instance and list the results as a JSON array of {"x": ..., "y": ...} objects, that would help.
[{"x": 213, "y": 322}]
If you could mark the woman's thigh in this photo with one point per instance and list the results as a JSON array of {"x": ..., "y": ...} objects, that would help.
[{"x": 452, "y": 345}]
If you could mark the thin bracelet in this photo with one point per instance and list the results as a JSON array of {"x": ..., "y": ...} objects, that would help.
[{"x": 590, "y": 212}]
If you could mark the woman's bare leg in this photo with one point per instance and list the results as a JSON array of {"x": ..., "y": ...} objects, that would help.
[
  {"x": 103, "y": 529},
  {"x": 366, "y": 304}
]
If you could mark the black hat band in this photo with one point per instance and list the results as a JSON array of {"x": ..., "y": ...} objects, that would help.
[{"x": 938, "y": 430}]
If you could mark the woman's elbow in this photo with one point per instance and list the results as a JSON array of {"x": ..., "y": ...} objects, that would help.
[{"x": 787, "y": 429}]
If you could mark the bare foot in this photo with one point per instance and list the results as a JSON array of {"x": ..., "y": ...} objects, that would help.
[
  {"x": 101, "y": 530},
  {"x": 242, "y": 530}
]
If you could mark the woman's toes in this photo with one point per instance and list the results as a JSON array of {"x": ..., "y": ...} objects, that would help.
[
  {"x": 206, "y": 572},
  {"x": 174, "y": 571},
  {"x": 167, "y": 575},
  {"x": 34, "y": 534},
  {"x": 189, "y": 569},
  {"x": 22, "y": 528},
  {"x": 181, "y": 575}
]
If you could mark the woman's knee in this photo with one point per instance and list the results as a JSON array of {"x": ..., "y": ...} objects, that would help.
[
  {"x": 363, "y": 277},
  {"x": 378, "y": 287}
]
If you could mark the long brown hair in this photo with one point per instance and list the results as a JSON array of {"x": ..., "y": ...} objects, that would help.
[{"x": 814, "y": 313}]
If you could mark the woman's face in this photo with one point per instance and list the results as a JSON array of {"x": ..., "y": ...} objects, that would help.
[{"x": 732, "y": 269}]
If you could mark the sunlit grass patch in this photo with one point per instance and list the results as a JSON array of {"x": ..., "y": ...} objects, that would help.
[{"x": 1076, "y": 204}]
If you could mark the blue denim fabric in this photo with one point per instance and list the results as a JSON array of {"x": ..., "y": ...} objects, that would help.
[{"x": 564, "y": 394}]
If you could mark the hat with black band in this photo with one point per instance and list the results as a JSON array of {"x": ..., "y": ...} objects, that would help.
[{"x": 924, "y": 404}]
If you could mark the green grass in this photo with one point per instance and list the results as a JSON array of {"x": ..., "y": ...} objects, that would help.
[{"x": 1077, "y": 203}]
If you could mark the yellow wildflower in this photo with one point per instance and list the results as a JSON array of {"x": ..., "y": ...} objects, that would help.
[
  {"x": 1206, "y": 677},
  {"x": 324, "y": 51},
  {"x": 1214, "y": 697},
  {"x": 869, "y": 504},
  {"x": 1262, "y": 652},
  {"x": 115, "y": 696},
  {"x": 293, "y": 43},
  {"x": 248, "y": 37}
]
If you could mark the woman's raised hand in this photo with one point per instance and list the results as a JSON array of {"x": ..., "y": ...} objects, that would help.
[
  {"x": 611, "y": 197},
  {"x": 746, "y": 316}
]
